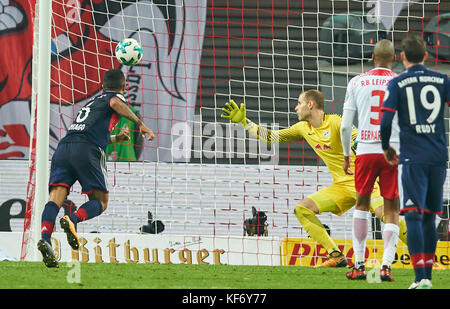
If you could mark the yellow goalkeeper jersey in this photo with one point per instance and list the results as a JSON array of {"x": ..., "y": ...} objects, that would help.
[{"x": 325, "y": 140}]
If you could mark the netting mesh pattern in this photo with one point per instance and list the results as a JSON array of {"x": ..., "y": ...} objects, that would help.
[{"x": 197, "y": 56}]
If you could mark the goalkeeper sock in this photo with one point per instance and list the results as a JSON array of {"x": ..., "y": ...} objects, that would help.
[
  {"x": 48, "y": 219},
  {"x": 402, "y": 234},
  {"x": 314, "y": 228},
  {"x": 87, "y": 211},
  {"x": 390, "y": 237},
  {"x": 430, "y": 242},
  {"x": 359, "y": 235}
]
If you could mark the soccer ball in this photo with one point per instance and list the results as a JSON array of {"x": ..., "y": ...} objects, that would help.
[{"x": 129, "y": 52}]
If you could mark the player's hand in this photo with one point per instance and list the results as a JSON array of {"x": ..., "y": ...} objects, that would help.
[
  {"x": 234, "y": 113},
  {"x": 124, "y": 135},
  {"x": 144, "y": 130},
  {"x": 391, "y": 156},
  {"x": 346, "y": 166}
]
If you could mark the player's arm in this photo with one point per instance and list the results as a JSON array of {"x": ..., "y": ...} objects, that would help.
[
  {"x": 347, "y": 134},
  {"x": 347, "y": 130},
  {"x": 124, "y": 135},
  {"x": 385, "y": 131},
  {"x": 389, "y": 109},
  {"x": 238, "y": 115},
  {"x": 447, "y": 92},
  {"x": 138, "y": 141},
  {"x": 123, "y": 110}
]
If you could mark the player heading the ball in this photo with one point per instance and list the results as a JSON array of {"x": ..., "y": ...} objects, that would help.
[{"x": 80, "y": 156}]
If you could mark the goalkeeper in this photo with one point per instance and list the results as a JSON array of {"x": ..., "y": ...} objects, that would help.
[{"x": 322, "y": 132}]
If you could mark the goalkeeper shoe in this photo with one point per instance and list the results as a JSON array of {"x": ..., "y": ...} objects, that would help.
[
  {"x": 335, "y": 259},
  {"x": 48, "y": 255},
  {"x": 357, "y": 273},
  {"x": 71, "y": 233},
  {"x": 385, "y": 273}
]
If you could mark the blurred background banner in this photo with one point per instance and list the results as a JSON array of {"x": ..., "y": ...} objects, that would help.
[{"x": 16, "y": 33}]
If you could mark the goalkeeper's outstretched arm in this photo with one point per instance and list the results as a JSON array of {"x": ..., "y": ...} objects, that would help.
[{"x": 238, "y": 115}]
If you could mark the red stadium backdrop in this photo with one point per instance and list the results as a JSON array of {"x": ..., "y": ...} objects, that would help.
[
  {"x": 164, "y": 89},
  {"x": 15, "y": 81}
]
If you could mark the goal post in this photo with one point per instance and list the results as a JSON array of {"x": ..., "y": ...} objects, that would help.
[{"x": 39, "y": 161}]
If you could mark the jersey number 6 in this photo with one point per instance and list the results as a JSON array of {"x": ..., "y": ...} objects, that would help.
[{"x": 84, "y": 113}]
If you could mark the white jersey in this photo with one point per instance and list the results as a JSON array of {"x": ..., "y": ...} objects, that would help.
[{"x": 365, "y": 94}]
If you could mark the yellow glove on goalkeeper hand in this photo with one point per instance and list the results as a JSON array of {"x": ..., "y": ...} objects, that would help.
[{"x": 234, "y": 113}]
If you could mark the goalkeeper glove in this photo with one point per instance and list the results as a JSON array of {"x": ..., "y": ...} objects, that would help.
[{"x": 234, "y": 113}]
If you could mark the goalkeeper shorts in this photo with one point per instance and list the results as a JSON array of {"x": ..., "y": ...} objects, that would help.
[{"x": 340, "y": 197}]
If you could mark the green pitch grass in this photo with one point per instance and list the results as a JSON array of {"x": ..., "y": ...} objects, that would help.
[{"x": 33, "y": 275}]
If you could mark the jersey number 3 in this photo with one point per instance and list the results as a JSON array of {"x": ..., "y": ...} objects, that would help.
[{"x": 375, "y": 106}]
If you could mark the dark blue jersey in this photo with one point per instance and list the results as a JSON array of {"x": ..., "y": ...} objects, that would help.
[
  {"x": 419, "y": 96},
  {"x": 95, "y": 121}
]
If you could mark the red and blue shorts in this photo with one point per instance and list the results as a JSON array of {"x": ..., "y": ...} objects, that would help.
[
  {"x": 373, "y": 166},
  {"x": 79, "y": 161}
]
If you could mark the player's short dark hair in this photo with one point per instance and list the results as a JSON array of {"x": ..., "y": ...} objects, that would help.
[
  {"x": 414, "y": 49},
  {"x": 316, "y": 96},
  {"x": 113, "y": 80}
]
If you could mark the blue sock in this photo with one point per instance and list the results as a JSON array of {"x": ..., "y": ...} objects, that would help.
[
  {"x": 415, "y": 243},
  {"x": 87, "y": 211},
  {"x": 430, "y": 241},
  {"x": 48, "y": 220}
]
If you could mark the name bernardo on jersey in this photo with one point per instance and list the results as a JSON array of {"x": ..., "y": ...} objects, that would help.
[{"x": 368, "y": 135}]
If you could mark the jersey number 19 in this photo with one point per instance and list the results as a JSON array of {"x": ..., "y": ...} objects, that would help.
[{"x": 434, "y": 106}]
